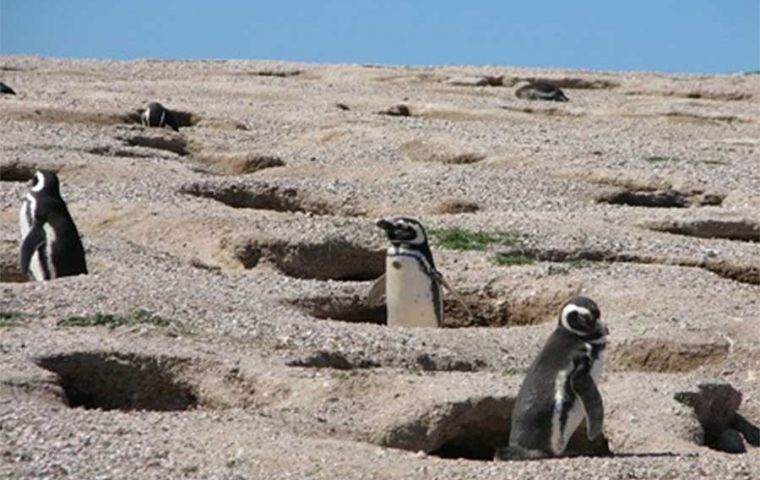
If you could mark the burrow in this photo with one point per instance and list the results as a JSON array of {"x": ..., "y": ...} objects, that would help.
[
  {"x": 484, "y": 308},
  {"x": 333, "y": 259},
  {"x": 715, "y": 406},
  {"x": 263, "y": 196},
  {"x": 10, "y": 270},
  {"x": 159, "y": 140},
  {"x": 660, "y": 198},
  {"x": 182, "y": 118},
  {"x": 129, "y": 381},
  {"x": 664, "y": 356},
  {"x": 473, "y": 429},
  {"x": 17, "y": 172},
  {"x": 739, "y": 230},
  {"x": 741, "y": 273}
]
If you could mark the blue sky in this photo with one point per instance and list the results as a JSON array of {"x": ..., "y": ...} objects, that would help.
[{"x": 710, "y": 36}]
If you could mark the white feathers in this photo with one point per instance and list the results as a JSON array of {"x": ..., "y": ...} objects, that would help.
[
  {"x": 50, "y": 238},
  {"x": 569, "y": 308},
  {"x": 557, "y": 441},
  {"x": 40, "y": 182}
]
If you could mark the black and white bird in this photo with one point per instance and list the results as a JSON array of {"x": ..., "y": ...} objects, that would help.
[
  {"x": 411, "y": 284},
  {"x": 560, "y": 388},
  {"x": 541, "y": 91},
  {"x": 50, "y": 243},
  {"x": 156, "y": 115},
  {"x": 5, "y": 89}
]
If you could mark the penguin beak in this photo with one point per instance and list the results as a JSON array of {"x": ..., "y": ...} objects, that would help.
[{"x": 384, "y": 224}]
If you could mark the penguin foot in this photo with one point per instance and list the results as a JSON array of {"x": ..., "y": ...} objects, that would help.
[{"x": 518, "y": 453}]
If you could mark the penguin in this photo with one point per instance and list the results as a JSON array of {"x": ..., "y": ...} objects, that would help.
[
  {"x": 560, "y": 388},
  {"x": 541, "y": 91},
  {"x": 156, "y": 115},
  {"x": 50, "y": 245},
  {"x": 411, "y": 284},
  {"x": 5, "y": 89}
]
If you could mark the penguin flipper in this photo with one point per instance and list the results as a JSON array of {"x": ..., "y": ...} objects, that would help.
[
  {"x": 585, "y": 387},
  {"x": 376, "y": 294},
  {"x": 33, "y": 240}
]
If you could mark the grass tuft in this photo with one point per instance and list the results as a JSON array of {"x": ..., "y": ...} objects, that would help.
[
  {"x": 10, "y": 318},
  {"x": 513, "y": 259},
  {"x": 99, "y": 319},
  {"x": 460, "y": 239}
]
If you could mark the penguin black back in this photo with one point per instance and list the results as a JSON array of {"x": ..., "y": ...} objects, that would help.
[
  {"x": 559, "y": 389},
  {"x": 156, "y": 115},
  {"x": 51, "y": 246},
  {"x": 5, "y": 89}
]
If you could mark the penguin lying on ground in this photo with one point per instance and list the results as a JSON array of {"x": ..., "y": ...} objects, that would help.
[
  {"x": 156, "y": 115},
  {"x": 541, "y": 91},
  {"x": 50, "y": 245},
  {"x": 560, "y": 388},
  {"x": 411, "y": 284}
]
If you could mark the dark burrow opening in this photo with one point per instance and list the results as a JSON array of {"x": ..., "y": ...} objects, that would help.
[
  {"x": 17, "y": 172},
  {"x": 739, "y": 230},
  {"x": 182, "y": 118},
  {"x": 168, "y": 142},
  {"x": 660, "y": 198},
  {"x": 474, "y": 429},
  {"x": 331, "y": 260},
  {"x": 259, "y": 196},
  {"x": 121, "y": 381},
  {"x": 483, "y": 310}
]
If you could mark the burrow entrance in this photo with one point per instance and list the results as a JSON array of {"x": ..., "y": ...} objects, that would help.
[
  {"x": 262, "y": 196},
  {"x": 17, "y": 172},
  {"x": 660, "y": 198},
  {"x": 472, "y": 429},
  {"x": 486, "y": 309},
  {"x": 739, "y": 230},
  {"x": 170, "y": 142},
  {"x": 663, "y": 356},
  {"x": 120, "y": 381},
  {"x": 330, "y": 260}
]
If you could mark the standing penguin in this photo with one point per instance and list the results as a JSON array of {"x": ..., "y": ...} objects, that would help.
[
  {"x": 411, "y": 284},
  {"x": 541, "y": 91},
  {"x": 560, "y": 388},
  {"x": 50, "y": 245},
  {"x": 156, "y": 115}
]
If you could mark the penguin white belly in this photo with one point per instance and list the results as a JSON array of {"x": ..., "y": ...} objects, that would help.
[
  {"x": 409, "y": 293},
  {"x": 35, "y": 266},
  {"x": 561, "y": 437}
]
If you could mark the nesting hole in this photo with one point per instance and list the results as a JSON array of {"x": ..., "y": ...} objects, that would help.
[
  {"x": 662, "y": 356},
  {"x": 353, "y": 309},
  {"x": 161, "y": 141},
  {"x": 485, "y": 310},
  {"x": 473, "y": 429},
  {"x": 739, "y": 230},
  {"x": 120, "y": 381},
  {"x": 331, "y": 260},
  {"x": 17, "y": 172},
  {"x": 259, "y": 196}
]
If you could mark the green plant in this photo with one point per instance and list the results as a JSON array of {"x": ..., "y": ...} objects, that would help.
[
  {"x": 99, "y": 319},
  {"x": 461, "y": 239},
  {"x": 9, "y": 318},
  {"x": 514, "y": 259}
]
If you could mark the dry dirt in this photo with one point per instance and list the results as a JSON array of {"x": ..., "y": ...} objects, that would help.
[{"x": 230, "y": 263}]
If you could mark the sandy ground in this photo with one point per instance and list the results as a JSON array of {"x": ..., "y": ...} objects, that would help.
[{"x": 234, "y": 258}]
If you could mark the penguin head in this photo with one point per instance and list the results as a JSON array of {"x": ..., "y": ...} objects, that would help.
[
  {"x": 45, "y": 181},
  {"x": 403, "y": 231},
  {"x": 580, "y": 316}
]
